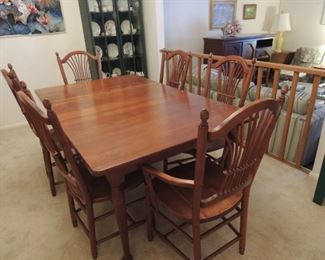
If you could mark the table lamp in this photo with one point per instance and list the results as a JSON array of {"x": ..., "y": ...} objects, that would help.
[{"x": 281, "y": 23}]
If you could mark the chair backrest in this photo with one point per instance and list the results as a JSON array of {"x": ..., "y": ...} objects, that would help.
[
  {"x": 246, "y": 133},
  {"x": 174, "y": 67},
  {"x": 231, "y": 71},
  {"x": 16, "y": 85},
  {"x": 42, "y": 124},
  {"x": 79, "y": 63}
]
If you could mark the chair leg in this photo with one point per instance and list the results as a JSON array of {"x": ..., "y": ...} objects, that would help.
[
  {"x": 49, "y": 170},
  {"x": 243, "y": 223},
  {"x": 92, "y": 231},
  {"x": 196, "y": 240},
  {"x": 165, "y": 165},
  {"x": 72, "y": 209},
  {"x": 150, "y": 217}
]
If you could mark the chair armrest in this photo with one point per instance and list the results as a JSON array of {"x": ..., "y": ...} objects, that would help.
[{"x": 149, "y": 170}]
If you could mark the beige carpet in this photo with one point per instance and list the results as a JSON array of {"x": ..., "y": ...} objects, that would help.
[{"x": 283, "y": 221}]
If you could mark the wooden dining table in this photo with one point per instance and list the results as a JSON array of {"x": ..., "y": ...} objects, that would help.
[{"x": 121, "y": 123}]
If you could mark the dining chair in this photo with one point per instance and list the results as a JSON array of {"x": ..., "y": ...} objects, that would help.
[
  {"x": 79, "y": 63},
  {"x": 82, "y": 188},
  {"x": 16, "y": 85},
  {"x": 174, "y": 67},
  {"x": 206, "y": 190},
  {"x": 233, "y": 74}
]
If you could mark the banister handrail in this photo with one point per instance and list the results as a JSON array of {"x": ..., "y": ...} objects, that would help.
[{"x": 265, "y": 64}]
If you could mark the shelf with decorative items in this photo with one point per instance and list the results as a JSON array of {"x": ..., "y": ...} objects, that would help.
[{"x": 114, "y": 28}]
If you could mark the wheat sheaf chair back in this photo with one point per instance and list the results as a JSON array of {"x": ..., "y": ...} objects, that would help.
[{"x": 79, "y": 64}]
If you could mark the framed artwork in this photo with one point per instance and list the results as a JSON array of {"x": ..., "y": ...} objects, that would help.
[
  {"x": 249, "y": 11},
  {"x": 221, "y": 13},
  {"x": 24, "y": 17}
]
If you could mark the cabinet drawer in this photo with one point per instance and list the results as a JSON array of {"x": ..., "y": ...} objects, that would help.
[{"x": 233, "y": 48}]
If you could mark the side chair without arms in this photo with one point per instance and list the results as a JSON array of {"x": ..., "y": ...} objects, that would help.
[
  {"x": 82, "y": 188},
  {"x": 174, "y": 67},
  {"x": 15, "y": 85},
  {"x": 232, "y": 71},
  {"x": 79, "y": 63},
  {"x": 206, "y": 190}
]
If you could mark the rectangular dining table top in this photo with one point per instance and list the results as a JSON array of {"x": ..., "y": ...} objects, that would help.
[{"x": 117, "y": 124}]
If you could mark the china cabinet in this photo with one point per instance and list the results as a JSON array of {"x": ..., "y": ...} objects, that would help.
[{"x": 114, "y": 28}]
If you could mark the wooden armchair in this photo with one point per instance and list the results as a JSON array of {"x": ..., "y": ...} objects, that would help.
[
  {"x": 232, "y": 71},
  {"x": 79, "y": 63},
  {"x": 204, "y": 190},
  {"x": 16, "y": 85},
  {"x": 174, "y": 67},
  {"x": 82, "y": 187}
]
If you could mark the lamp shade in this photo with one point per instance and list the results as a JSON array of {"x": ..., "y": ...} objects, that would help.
[{"x": 281, "y": 23}]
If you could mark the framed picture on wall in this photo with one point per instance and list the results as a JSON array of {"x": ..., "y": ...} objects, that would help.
[
  {"x": 26, "y": 17},
  {"x": 249, "y": 11},
  {"x": 222, "y": 12}
]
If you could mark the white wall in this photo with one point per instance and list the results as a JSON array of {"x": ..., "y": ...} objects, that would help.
[
  {"x": 187, "y": 21},
  {"x": 154, "y": 34},
  {"x": 305, "y": 22},
  {"x": 33, "y": 57}
]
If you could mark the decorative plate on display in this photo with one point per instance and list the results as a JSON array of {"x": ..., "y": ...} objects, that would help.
[
  {"x": 122, "y": 5},
  {"x": 99, "y": 50},
  {"x": 95, "y": 28},
  {"x": 107, "y": 5},
  {"x": 110, "y": 28},
  {"x": 117, "y": 71},
  {"x": 93, "y": 6},
  {"x": 127, "y": 26},
  {"x": 112, "y": 50},
  {"x": 128, "y": 49}
]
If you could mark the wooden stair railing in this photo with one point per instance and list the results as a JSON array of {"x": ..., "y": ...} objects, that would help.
[{"x": 198, "y": 60}]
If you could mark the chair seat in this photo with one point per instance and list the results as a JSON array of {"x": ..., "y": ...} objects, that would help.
[
  {"x": 99, "y": 188},
  {"x": 178, "y": 200}
]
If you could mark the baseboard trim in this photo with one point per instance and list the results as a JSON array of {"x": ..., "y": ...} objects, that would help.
[{"x": 12, "y": 126}]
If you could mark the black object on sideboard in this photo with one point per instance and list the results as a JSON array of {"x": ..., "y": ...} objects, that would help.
[
  {"x": 320, "y": 189},
  {"x": 248, "y": 46}
]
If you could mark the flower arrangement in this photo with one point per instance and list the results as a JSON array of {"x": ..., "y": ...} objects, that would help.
[{"x": 231, "y": 28}]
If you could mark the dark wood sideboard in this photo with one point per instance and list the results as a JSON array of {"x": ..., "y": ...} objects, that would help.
[{"x": 250, "y": 46}]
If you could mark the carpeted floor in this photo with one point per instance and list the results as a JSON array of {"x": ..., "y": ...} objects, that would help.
[{"x": 283, "y": 221}]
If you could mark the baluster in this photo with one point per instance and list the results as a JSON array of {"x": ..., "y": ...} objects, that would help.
[
  {"x": 289, "y": 113},
  {"x": 259, "y": 82},
  {"x": 310, "y": 109},
  {"x": 275, "y": 83},
  {"x": 199, "y": 64}
]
